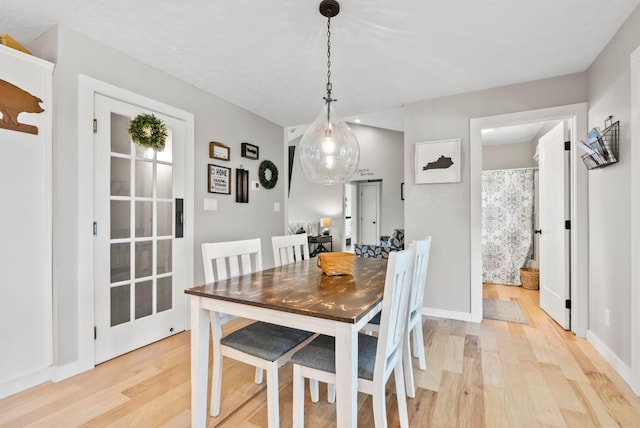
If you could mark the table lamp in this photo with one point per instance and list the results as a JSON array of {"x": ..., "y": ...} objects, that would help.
[{"x": 325, "y": 222}]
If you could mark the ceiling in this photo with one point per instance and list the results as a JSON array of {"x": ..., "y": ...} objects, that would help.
[
  {"x": 515, "y": 134},
  {"x": 270, "y": 57}
]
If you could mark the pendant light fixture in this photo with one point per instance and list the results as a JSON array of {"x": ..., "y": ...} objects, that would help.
[{"x": 329, "y": 151}]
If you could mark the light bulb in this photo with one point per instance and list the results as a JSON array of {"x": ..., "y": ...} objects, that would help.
[
  {"x": 328, "y": 146},
  {"x": 329, "y": 151}
]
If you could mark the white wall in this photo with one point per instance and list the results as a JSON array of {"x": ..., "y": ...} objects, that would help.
[
  {"x": 380, "y": 159},
  {"x": 215, "y": 120},
  {"x": 609, "y": 197},
  {"x": 505, "y": 156},
  {"x": 443, "y": 210}
]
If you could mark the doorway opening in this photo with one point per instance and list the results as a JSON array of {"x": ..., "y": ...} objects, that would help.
[
  {"x": 362, "y": 203},
  {"x": 576, "y": 115},
  {"x": 512, "y": 197}
]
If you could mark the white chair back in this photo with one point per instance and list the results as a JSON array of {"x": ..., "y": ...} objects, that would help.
[
  {"x": 290, "y": 248},
  {"x": 420, "y": 268},
  {"x": 395, "y": 303},
  {"x": 224, "y": 260}
]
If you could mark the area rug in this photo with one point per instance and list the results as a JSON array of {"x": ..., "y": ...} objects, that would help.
[{"x": 503, "y": 310}]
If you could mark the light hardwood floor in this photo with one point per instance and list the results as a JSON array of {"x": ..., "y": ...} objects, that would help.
[{"x": 494, "y": 374}]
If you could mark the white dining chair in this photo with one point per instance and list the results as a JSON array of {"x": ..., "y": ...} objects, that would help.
[
  {"x": 378, "y": 357},
  {"x": 290, "y": 248},
  {"x": 263, "y": 345},
  {"x": 414, "y": 322}
]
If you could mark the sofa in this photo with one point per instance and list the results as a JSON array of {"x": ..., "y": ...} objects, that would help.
[{"x": 395, "y": 242}]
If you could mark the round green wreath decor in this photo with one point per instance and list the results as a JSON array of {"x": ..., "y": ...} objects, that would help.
[
  {"x": 148, "y": 131},
  {"x": 268, "y": 183}
]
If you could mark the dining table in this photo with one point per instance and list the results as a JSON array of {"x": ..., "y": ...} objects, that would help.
[{"x": 297, "y": 295}]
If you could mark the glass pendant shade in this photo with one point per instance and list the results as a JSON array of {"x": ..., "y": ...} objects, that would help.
[{"x": 329, "y": 151}]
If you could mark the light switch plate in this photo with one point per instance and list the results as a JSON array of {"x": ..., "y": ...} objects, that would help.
[
  {"x": 276, "y": 207},
  {"x": 210, "y": 204}
]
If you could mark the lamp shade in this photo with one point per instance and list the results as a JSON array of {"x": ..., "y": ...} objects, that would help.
[
  {"x": 325, "y": 222},
  {"x": 329, "y": 151}
]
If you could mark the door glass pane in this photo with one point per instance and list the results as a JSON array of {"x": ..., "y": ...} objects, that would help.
[
  {"x": 164, "y": 294},
  {"x": 120, "y": 262},
  {"x": 165, "y": 218},
  {"x": 144, "y": 153},
  {"x": 144, "y": 266},
  {"x": 165, "y": 182},
  {"x": 120, "y": 304},
  {"x": 166, "y": 155},
  {"x": 144, "y": 179},
  {"x": 164, "y": 256},
  {"x": 120, "y": 219},
  {"x": 144, "y": 299},
  {"x": 144, "y": 219},
  {"x": 120, "y": 140},
  {"x": 120, "y": 177}
]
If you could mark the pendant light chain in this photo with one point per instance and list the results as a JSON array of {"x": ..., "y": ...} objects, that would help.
[{"x": 329, "y": 86}]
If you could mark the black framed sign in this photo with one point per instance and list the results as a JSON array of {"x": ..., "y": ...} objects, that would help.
[{"x": 249, "y": 151}]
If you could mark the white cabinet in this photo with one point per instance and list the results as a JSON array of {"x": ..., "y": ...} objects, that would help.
[{"x": 25, "y": 220}]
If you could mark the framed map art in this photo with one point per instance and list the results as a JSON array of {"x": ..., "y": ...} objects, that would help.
[{"x": 438, "y": 161}]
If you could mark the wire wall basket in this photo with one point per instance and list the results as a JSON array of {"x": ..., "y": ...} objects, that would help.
[{"x": 601, "y": 147}]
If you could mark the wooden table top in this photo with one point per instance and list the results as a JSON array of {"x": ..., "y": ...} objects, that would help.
[{"x": 302, "y": 288}]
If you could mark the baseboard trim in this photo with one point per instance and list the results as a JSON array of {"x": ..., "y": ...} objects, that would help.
[
  {"x": 66, "y": 371},
  {"x": 29, "y": 380},
  {"x": 619, "y": 366},
  {"x": 441, "y": 313}
]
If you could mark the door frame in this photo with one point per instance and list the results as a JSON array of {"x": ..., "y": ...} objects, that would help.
[
  {"x": 635, "y": 212},
  {"x": 577, "y": 116},
  {"x": 87, "y": 88}
]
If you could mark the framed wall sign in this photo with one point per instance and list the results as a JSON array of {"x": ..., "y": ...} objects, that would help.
[
  {"x": 219, "y": 179},
  {"x": 249, "y": 151},
  {"x": 438, "y": 161},
  {"x": 219, "y": 151}
]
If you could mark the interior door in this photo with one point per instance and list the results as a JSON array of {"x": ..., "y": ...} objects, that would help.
[
  {"x": 140, "y": 269},
  {"x": 369, "y": 209},
  {"x": 554, "y": 236}
]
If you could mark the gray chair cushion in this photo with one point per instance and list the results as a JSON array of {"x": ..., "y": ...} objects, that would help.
[
  {"x": 320, "y": 355},
  {"x": 264, "y": 340}
]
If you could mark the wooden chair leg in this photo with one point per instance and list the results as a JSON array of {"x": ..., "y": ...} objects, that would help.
[
  {"x": 216, "y": 382},
  {"x": 331, "y": 393},
  {"x": 258, "y": 376},
  {"x": 418, "y": 344},
  {"x": 408, "y": 367},
  {"x": 273, "y": 396},
  {"x": 379, "y": 405},
  {"x": 402, "y": 399},
  {"x": 298, "y": 398},
  {"x": 314, "y": 390}
]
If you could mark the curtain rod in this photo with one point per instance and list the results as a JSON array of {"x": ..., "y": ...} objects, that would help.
[{"x": 510, "y": 169}]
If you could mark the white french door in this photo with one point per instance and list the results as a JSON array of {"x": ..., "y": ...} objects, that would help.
[{"x": 140, "y": 264}]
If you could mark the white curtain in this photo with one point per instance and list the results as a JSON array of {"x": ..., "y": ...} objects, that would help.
[{"x": 507, "y": 224}]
